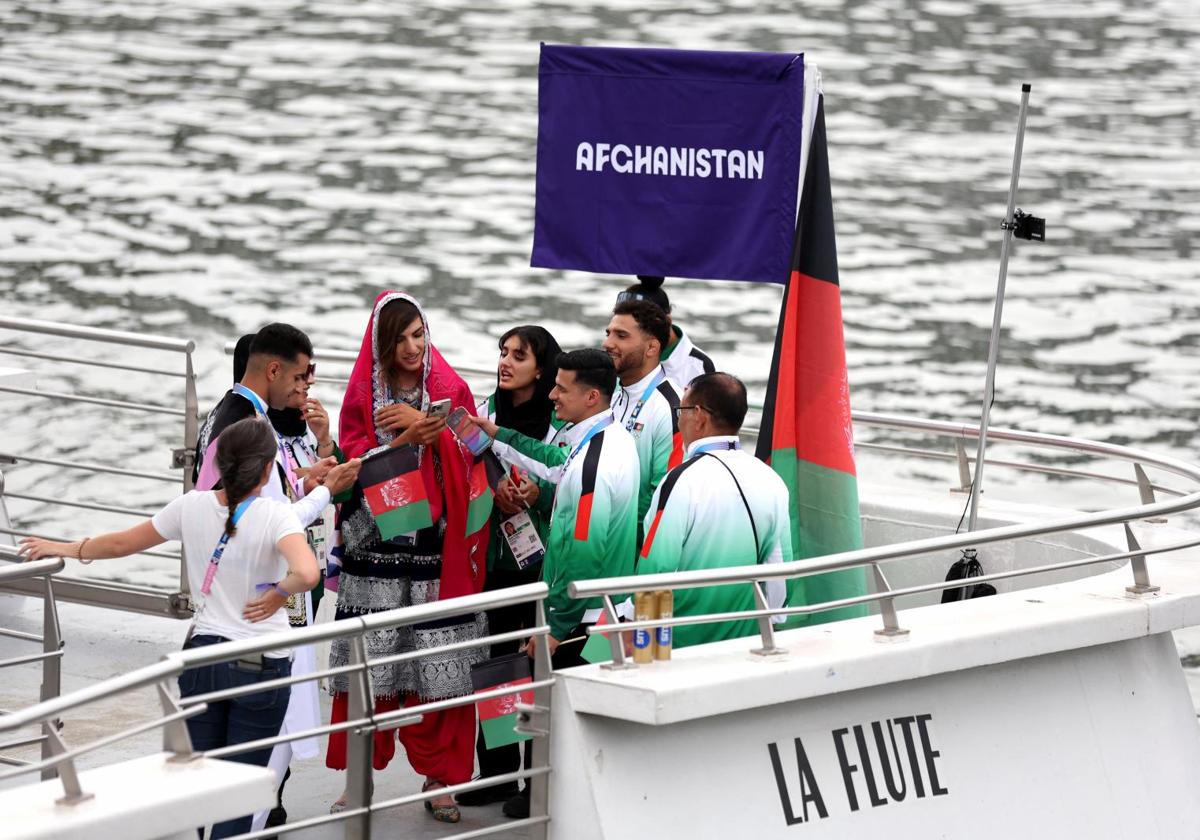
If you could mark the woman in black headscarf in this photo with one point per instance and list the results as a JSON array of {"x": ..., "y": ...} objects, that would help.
[{"x": 524, "y": 378}]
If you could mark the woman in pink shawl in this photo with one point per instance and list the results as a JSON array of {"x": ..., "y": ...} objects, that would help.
[{"x": 397, "y": 375}]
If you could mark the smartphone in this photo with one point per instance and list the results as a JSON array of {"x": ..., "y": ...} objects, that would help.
[
  {"x": 441, "y": 409},
  {"x": 471, "y": 436}
]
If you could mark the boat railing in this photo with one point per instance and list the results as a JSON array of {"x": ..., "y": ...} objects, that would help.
[
  {"x": 94, "y": 354},
  {"x": 12, "y": 570},
  {"x": 176, "y": 602},
  {"x": 363, "y": 719},
  {"x": 874, "y": 559}
]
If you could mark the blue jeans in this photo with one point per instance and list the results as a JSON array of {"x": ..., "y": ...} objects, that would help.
[{"x": 239, "y": 719}]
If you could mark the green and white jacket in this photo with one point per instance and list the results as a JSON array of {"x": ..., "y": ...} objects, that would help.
[
  {"x": 593, "y": 521},
  {"x": 646, "y": 410},
  {"x": 699, "y": 520}
]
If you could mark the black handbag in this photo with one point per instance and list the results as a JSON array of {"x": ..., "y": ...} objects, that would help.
[{"x": 964, "y": 567}]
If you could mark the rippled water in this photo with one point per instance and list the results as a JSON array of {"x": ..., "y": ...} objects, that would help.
[{"x": 197, "y": 168}]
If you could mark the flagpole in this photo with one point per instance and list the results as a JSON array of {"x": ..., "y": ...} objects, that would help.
[{"x": 989, "y": 388}]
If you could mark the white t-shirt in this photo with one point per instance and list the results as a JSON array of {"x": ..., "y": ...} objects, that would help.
[{"x": 197, "y": 520}]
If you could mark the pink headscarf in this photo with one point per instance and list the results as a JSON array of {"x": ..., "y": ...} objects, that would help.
[{"x": 463, "y": 557}]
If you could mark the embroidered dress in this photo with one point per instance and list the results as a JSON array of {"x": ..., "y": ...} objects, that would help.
[{"x": 434, "y": 563}]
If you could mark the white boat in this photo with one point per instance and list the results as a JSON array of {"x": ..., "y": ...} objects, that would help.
[{"x": 1057, "y": 708}]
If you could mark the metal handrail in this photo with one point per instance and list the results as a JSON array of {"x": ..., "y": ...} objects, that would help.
[
  {"x": 173, "y": 602},
  {"x": 8, "y": 457},
  {"x": 758, "y": 575},
  {"x": 15, "y": 572},
  {"x": 152, "y": 342},
  {"x": 359, "y": 729},
  {"x": 9, "y": 350}
]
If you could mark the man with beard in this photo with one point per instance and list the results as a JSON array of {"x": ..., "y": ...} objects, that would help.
[
  {"x": 645, "y": 403},
  {"x": 681, "y": 359}
]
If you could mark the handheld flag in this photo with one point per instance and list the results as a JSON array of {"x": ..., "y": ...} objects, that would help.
[
  {"x": 806, "y": 434},
  {"x": 597, "y": 647},
  {"x": 395, "y": 492},
  {"x": 498, "y": 715}
]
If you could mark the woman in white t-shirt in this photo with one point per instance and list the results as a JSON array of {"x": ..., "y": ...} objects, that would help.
[{"x": 265, "y": 560}]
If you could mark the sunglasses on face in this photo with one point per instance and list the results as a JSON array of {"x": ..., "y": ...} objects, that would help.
[{"x": 679, "y": 409}]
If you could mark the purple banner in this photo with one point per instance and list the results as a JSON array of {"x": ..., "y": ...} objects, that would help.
[{"x": 668, "y": 162}]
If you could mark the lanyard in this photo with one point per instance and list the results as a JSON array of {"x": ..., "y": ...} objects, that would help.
[
  {"x": 592, "y": 432},
  {"x": 289, "y": 460},
  {"x": 721, "y": 446},
  {"x": 637, "y": 409},
  {"x": 215, "y": 560}
]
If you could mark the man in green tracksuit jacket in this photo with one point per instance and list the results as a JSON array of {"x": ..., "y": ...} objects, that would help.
[
  {"x": 593, "y": 521},
  {"x": 721, "y": 507}
]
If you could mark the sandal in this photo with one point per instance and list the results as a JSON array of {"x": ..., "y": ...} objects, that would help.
[
  {"x": 343, "y": 803},
  {"x": 441, "y": 813}
]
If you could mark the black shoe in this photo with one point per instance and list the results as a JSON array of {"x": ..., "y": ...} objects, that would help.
[
  {"x": 517, "y": 806},
  {"x": 277, "y": 816},
  {"x": 487, "y": 795}
]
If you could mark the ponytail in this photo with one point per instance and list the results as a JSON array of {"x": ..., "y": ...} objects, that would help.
[{"x": 243, "y": 451}]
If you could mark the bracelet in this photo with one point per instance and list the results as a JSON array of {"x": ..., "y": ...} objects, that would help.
[
  {"x": 282, "y": 591},
  {"x": 79, "y": 554}
]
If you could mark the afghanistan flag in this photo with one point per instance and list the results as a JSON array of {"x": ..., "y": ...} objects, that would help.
[
  {"x": 395, "y": 491},
  {"x": 486, "y": 474},
  {"x": 597, "y": 648},
  {"x": 806, "y": 435},
  {"x": 498, "y": 715}
]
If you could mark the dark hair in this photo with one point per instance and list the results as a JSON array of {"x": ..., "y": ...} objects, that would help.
[
  {"x": 241, "y": 356},
  {"x": 243, "y": 451},
  {"x": 531, "y": 418},
  {"x": 649, "y": 288},
  {"x": 592, "y": 368},
  {"x": 283, "y": 341},
  {"x": 723, "y": 397},
  {"x": 394, "y": 319},
  {"x": 650, "y": 318}
]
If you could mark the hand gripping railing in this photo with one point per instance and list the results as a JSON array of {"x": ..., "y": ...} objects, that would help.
[
  {"x": 363, "y": 720},
  {"x": 757, "y": 576},
  {"x": 11, "y": 571},
  {"x": 175, "y": 603}
]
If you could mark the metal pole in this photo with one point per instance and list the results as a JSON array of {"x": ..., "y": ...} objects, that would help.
[{"x": 994, "y": 343}]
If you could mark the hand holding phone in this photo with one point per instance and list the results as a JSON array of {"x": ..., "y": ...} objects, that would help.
[
  {"x": 471, "y": 436},
  {"x": 440, "y": 409}
]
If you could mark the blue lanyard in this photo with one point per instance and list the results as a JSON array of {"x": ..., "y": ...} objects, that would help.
[
  {"x": 637, "y": 409},
  {"x": 260, "y": 409},
  {"x": 592, "y": 432},
  {"x": 723, "y": 446},
  {"x": 255, "y": 399},
  {"x": 215, "y": 560}
]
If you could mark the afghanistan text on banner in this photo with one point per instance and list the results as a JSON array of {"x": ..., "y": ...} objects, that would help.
[
  {"x": 395, "y": 492},
  {"x": 807, "y": 434},
  {"x": 668, "y": 162},
  {"x": 498, "y": 715}
]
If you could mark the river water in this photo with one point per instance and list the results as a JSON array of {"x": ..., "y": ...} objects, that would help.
[{"x": 195, "y": 169}]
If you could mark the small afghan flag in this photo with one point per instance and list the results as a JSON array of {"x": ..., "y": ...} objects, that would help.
[
  {"x": 480, "y": 490},
  {"x": 597, "y": 648},
  {"x": 395, "y": 492},
  {"x": 806, "y": 434},
  {"x": 498, "y": 715}
]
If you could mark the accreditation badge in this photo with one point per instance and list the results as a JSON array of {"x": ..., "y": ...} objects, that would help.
[
  {"x": 523, "y": 540},
  {"x": 319, "y": 534}
]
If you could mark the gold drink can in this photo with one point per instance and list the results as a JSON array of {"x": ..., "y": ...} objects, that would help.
[
  {"x": 644, "y": 609},
  {"x": 665, "y": 601}
]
